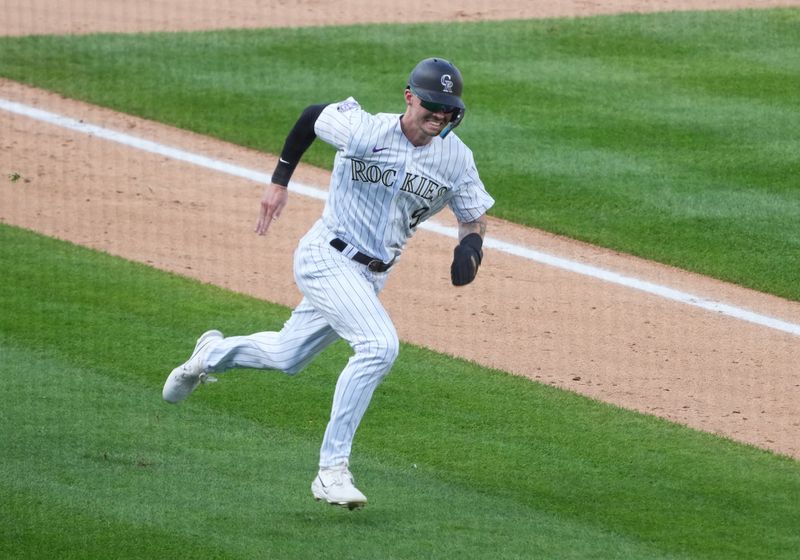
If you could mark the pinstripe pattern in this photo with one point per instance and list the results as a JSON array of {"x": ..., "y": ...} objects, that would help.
[
  {"x": 346, "y": 295},
  {"x": 382, "y": 187},
  {"x": 341, "y": 300},
  {"x": 378, "y": 217},
  {"x": 303, "y": 336}
]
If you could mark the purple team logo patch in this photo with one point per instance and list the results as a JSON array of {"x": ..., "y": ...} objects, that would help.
[
  {"x": 447, "y": 83},
  {"x": 345, "y": 106}
]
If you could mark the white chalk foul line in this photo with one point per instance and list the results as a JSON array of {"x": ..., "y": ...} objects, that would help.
[{"x": 312, "y": 192}]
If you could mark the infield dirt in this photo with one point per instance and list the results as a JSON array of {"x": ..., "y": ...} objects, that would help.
[{"x": 638, "y": 351}]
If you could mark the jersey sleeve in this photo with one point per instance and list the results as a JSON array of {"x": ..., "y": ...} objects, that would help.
[
  {"x": 470, "y": 200},
  {"x": 335, "y": 124}
]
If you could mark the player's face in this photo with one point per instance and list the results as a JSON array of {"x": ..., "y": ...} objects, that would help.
[{"x": 424, "y": 120}]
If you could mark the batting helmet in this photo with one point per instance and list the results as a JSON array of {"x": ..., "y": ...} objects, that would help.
[{"x": 437, "y": 81}]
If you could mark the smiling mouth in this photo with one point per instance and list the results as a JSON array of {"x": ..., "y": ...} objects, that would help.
[{"x": 435, "y": 122}]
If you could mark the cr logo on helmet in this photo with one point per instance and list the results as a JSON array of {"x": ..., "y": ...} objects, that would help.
[{"x": 447, "y": 83}]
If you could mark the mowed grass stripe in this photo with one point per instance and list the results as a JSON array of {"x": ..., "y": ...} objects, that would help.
[
  {"x": 456, "y": 459},
  {"x": 669, "y": 136},
  {"x": 99, "y": 466}
]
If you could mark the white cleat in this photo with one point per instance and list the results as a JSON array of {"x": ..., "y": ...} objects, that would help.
[
  {"x": 335, "y": 485},
  {"x": 186, "y": 377}
]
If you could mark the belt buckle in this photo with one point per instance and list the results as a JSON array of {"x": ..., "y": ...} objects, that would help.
[{"x": 376, "y": 266}]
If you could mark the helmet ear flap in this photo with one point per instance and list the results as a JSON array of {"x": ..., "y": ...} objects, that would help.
[{"x": 455, "y": 120}]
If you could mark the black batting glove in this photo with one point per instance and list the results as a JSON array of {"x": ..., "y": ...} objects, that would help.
[{"x": 467, "y": 258}]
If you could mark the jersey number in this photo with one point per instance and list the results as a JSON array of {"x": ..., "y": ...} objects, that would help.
[{"x": 418, "y": 215}]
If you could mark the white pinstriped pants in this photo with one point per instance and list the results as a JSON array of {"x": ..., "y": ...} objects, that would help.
[{"x": 340, "y": 301}]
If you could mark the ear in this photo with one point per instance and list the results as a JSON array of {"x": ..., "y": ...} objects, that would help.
[{"x": 408, "y": 96}]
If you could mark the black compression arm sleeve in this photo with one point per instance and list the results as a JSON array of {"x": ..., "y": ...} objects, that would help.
[{"x": 300, "y": 138}]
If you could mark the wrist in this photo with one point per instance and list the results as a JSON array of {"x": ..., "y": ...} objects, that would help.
[
  {"x": 473, "y": 241},
  {"x": 282, "y": 174}
]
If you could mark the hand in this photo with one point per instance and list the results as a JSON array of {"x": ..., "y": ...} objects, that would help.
[
  {"x": 467, "y": 258},
  {"x": 272, "y": 204}
]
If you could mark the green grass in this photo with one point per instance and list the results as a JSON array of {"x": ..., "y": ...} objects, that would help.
[
  {"x": 669, "y": 136},
  {"x": 458, "y": 461}
]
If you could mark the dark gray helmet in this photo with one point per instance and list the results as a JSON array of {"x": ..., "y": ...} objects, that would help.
[{"x": 437, "y": 81}]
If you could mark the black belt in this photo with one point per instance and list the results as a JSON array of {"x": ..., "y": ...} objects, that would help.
[{"x": 373, "y": 264}]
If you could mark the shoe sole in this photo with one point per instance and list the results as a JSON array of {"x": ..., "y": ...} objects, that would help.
[{"x": 349, "y": 505}]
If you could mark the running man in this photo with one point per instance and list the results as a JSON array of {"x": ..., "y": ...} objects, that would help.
[{"x": 391, "y": 172}]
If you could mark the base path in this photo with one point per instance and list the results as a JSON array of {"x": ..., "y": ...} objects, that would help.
[
  {"x": 637, "y": 350},
  {"x": 23, "y": 17}
]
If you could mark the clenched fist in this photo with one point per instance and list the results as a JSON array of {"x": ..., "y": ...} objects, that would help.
[{"x": 467, "y": 258}]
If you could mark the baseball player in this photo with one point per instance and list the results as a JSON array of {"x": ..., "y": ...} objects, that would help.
[{"x": 391, "y": 172}]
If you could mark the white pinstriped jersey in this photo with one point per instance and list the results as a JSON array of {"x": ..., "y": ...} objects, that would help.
[{"x": 383, "y": 187}]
